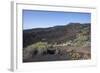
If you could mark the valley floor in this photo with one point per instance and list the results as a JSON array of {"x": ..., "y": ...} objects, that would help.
[{"x": 66, "y": 53}]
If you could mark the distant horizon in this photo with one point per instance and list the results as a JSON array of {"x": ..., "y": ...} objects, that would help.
[
  {"x": 54, "y": 26},
  {"x": 44, "y": 19}
]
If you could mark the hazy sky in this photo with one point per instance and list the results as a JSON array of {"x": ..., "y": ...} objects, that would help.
[{"x": 43, "y": 19}]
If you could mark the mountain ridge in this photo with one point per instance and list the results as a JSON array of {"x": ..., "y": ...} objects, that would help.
[{"x": 54, "y": 34}]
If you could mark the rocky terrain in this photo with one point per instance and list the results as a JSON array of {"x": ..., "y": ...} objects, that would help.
[{"x": 67, "y": 42}]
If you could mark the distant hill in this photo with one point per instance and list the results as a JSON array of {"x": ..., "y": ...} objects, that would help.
[{"x": 57, "y": 34}]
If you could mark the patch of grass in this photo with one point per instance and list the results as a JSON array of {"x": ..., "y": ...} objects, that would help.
[
  {"x": 74, "y": 55},
  {"x": 40, "y": 45}
]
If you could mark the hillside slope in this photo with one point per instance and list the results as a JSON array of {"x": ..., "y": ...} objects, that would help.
[{"x": 57, "y": 34}]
